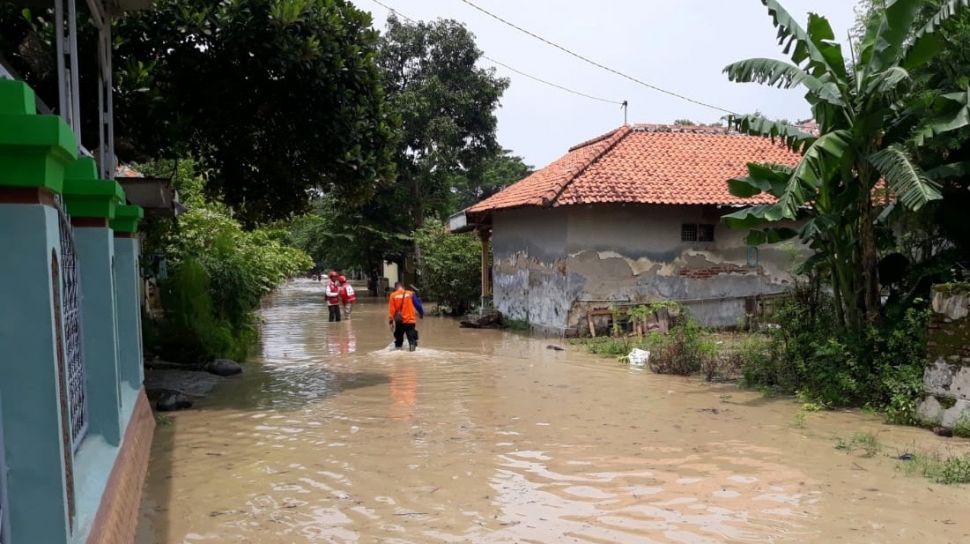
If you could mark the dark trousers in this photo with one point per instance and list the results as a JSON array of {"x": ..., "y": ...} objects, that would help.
[
  {"x": 402, "y": 329},
  {"x": 334, "y": 312}
]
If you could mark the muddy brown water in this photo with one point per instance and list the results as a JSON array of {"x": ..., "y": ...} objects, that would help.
[{"x": 487, "y": 436}]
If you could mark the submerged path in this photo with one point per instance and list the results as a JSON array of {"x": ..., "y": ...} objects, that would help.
[{"x": 485, "y": 436}]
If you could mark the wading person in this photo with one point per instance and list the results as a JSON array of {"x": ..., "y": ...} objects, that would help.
[
  {"x": 403, "y": 310},
  {"x": 347, "y": 296},
  {"x": 332, "y": 295}
]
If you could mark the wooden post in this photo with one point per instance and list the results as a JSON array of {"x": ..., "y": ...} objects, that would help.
[{"x": 486, "y": 236}]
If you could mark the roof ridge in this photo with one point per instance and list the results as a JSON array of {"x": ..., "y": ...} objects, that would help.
[
  {"x": 597, "y": 139},
  {"x": 572, "y": 173}
]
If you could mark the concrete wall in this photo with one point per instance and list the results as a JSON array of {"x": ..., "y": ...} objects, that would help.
[
  {"x": 529, "y": 273},
  {"x": 552, "y": 265},
  {"x": 947, "y": 374}
]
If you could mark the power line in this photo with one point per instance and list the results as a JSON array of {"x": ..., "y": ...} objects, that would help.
[
  {"x": 510, "y": 68},
  {"x": 594, "y": 63},
  {"x": 551, "y": 84}
]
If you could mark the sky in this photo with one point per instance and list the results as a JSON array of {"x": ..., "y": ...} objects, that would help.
[{"x": 678, "y": 45}]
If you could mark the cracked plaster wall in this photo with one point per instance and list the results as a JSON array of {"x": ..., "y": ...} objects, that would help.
[{"x": 552, "y": 265}]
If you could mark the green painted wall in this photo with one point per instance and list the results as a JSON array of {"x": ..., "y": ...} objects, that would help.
[
  {"x": 95, "y": 249},
  {"x": 127, "y": 289},
  {"x": 28, "y": 376}
]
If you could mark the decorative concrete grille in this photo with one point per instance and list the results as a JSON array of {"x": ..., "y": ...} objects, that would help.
[{"x": 71, "y": 315}]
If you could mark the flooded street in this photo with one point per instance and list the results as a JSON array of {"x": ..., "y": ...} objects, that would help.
[{"x": 486, "y": 436}]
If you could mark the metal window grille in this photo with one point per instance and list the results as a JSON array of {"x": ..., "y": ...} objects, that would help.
[
  {"x": 71, "y": 296},
  {"x": 705, "y": 233},
  {"x": 688, "y": 232}
]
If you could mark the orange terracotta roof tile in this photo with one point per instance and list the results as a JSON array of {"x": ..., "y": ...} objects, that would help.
[{"x": 645, "y": 164}]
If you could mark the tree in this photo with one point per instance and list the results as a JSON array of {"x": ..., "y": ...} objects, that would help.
[
  {"x": 279, "y": 99},
  {"x": 495, "y": 174},
  {"x": 450, "y": 266},
  {"x": 446, "y": 105},
  {"x": 870, "y": 123}
]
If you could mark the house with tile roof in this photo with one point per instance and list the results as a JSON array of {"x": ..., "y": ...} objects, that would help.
[{"x": 629, "y": 217}]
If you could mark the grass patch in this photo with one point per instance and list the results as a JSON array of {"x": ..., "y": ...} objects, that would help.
[
  {"x": 938, "y": 468},
  {"x": 798, "y": 420},
  {"x": 863, "y": 444},
  {"x": 516, "y": 324},
  {"x": 962, "y": 428},
  {"x": 163, "y": 420}
]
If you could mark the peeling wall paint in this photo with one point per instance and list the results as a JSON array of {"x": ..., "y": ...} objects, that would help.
[{"x": 552, "y": 265}]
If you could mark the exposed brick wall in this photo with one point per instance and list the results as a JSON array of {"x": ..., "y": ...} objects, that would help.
[
  {"x": 117, "y": 518},
  {"x": 712, "y": 271}
]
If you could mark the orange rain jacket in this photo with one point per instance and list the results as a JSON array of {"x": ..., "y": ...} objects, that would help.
[{"x": 402, "y": 301}]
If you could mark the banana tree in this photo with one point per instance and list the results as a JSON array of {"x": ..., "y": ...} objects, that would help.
[{"x": 859, "y": 159}]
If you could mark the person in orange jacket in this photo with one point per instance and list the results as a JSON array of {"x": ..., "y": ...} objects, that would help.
[
  {"x": 332, "y": 294},
  {"x": 403, "y": 310},
  {"x": 347, "y": 296}
]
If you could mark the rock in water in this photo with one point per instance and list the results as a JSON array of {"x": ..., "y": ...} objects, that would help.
[
  {"x": 223, "y": 367},
  {"x": 170, "y": 401}
]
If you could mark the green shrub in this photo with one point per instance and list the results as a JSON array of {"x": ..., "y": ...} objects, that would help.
[
  {"x": 449, "y": 266},
  {"x": 806, "y": 354},
  {"x": 962, "y": 428},
  {"x": 684, "y": 350},
  {"x": 219, "y": 271},
  {"x": 938, "y": 468},
  {"x": 190, "y": 329}
]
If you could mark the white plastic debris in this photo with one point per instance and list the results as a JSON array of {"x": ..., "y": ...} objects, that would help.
[{"x": 639, "y": 357}]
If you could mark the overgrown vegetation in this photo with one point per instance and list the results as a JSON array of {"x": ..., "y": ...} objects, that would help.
[
  {"x": 685, "y": 349},
  {"x": 217, "y": 272},
  {"x": 939, "y": 468},
  {"x": 879, "y": 177},
  {"x": 450, "y": 266},
  {"x": 805, "y": 352}
]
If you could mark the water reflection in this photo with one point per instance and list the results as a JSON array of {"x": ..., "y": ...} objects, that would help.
[
  {"x": 482, "y": 436},
  {"x": 404, "y": 392}
]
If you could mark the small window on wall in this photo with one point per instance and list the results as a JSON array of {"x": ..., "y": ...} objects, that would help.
[
  {"x": 688, "y": 232},
  {"x": 693, "y": 232}
]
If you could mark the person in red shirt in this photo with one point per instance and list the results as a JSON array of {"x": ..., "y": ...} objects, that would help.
[
  {"x": 332, "y": 294},
  {"x": 347, "y": 296}
]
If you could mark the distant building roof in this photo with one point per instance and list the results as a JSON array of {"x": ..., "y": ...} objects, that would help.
[{"x": 645, "y": 164}]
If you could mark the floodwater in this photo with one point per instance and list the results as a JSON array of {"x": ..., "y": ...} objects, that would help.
[{"x": 486, "y": 436}]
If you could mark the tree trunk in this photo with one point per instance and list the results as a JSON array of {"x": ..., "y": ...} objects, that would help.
[{"x": 869, "y": 259}]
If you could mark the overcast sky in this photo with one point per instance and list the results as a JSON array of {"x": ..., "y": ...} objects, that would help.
[{"x": 679, "y": 45}]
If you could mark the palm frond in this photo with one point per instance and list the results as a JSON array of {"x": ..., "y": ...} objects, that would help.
[
  {"x": 950, "y": 170},
  {"x": 757, "y": 125},
  {"x": 796, "y": 41},
  {"x": 784, "y": 75},
  {"x": 824, "y": 157},
  {"x": 753, "y": 216},
  {"x": 952, "y": 113},
  {"x": 948, "y": 9},
  {"x": 906, "y": 180},
  {"x": 895, "y": 27},
  {"x": 762, "y": 178},
  {"x": 886, "y": 82},
  {"x": 771, "y": 72}
]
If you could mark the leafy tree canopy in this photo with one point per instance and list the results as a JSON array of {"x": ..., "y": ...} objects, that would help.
[
  {"x": 446, "y": 104},
  {"x": 278, "y": 98}
]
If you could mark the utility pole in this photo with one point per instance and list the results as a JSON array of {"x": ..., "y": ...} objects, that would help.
[{"x": 624, "y": 107}]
